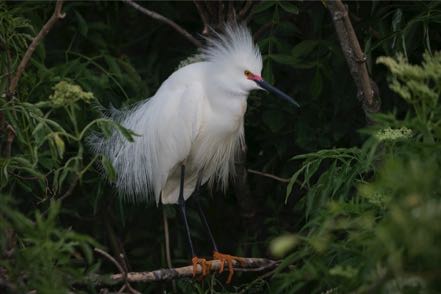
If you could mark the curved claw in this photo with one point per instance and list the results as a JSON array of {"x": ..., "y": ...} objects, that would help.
[
  {"x": 204, "y": 265},
  {"x": 229, "y": 260}
]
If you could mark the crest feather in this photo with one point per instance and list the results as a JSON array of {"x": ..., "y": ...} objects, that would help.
[{"x": 235, "y": 44}]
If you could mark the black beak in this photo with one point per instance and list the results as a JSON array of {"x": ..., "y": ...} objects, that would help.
[{"x": 270, "y": 88}]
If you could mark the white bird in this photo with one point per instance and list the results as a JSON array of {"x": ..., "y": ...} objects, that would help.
[{"x": 191, "y": 130}]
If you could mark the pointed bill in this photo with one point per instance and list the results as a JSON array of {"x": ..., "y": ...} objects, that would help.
[{"x": 270, "y": 88}]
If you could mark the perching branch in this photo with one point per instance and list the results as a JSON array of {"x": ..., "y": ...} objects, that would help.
[
  {"x": 165, "y": 20},
  {"x": 28, "y": 54},
  {"x": 367, "y": 92},
  {"x": 248, "y": 265}
]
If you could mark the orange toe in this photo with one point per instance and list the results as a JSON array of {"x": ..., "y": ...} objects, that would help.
[
  {"x": 205, "y": 266},
  {"x": 229, "y": 260}
]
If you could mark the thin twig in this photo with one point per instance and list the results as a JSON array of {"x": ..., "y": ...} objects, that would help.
[
  {"x": 245, "y": 9},
  {"x": 123, "y": 272},
  {"x": 247, "y": 264},
  {"x": 28, "y": 54},
  {"x": 256, "y": 172},
  {"x": 203, "y": 13},
  {"x": 8, "y": 65},
  {"x": 354, "y": 56},
  {"x": 70, "y": 189},
  {"x": 9, "y": 140},
  {"x": 231, "y": 13},
  {"x": 165, "y": 20},
  {"x": 220, "y": 12},
  {"x": 109, "y": 257}
]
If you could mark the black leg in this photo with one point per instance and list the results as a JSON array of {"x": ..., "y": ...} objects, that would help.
[
  {"x": 181, "y": 202},
  {"x": 201, "y": 212}
]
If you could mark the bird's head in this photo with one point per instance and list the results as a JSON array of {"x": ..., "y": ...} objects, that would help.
[{"x": 237, "y": 62}]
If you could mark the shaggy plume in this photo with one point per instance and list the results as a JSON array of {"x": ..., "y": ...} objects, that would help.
[{"x": 234, "y": 46}]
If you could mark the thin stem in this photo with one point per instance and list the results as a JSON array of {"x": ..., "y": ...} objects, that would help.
[
  {"x": 28, "y": 54},
  {"x": 204, "y": 16},
  {"x": 165, "y": 20},
  {"x": 256, "y": 172}
]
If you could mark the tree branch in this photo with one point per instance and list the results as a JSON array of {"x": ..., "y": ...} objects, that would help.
[
  {"x": 274, "y": 177},
  {"x": 9, "y": 140},
  {"x": 28, "y": 54},
  {"x": 245, "y": 9},
  {"x": 203, "y": 13},
  {"x": 367, "y": 91},
  {"x": 123, "y": 272},
  {"x": 165, "y": 20},
  {"x": 248, "y": 264}
]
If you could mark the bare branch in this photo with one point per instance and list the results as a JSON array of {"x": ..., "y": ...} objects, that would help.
[
  {"x": 165, "y": 20},
  {"x": 245, "y": 199},
  {"x": 9, "y": 140},
  {"x": 245, "y": 9},
  {"x": 248, "y": 264},
  {"x": 28, "y": 54},
  {"x": 256, "y": 172},
  {"x": 71, "y": 188},
  {"x": 231, "y": 12},
  {"x": 123, "y": 272},
  {"x": 203, "y": 13},
  {"x": 354, "y": 56}
]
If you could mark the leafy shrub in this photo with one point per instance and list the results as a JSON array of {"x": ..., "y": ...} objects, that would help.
[{"x": 375, "y": 212}]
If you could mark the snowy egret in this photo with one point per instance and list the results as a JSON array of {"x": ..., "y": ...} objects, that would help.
[{"x": 191, "y": 130}]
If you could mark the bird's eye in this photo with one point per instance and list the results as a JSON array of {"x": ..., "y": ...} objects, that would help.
[{"x": 247, "y": 73}]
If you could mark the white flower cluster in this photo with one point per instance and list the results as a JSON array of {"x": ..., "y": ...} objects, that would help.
[{"x": 389, "y": 134}]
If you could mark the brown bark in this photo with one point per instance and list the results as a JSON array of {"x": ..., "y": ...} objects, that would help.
[
  {"x": 165, "y": 20},
  {"x": 28, "y": 54},
  {"x": 249, "y": 264},
  {"x": 367, "y": 90}
]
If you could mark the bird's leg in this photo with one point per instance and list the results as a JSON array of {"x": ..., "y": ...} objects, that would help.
[
  {"x": 202, "y": 215},
  {"x": 195, "y": 260},
  {"x": 216, "y": 255}
]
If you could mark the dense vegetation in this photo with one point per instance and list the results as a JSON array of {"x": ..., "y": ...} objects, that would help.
[{"x": 361, "y": 211}]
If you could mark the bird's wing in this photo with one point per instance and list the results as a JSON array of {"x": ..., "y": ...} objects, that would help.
[
  {"x": 167, "y": 125},
  {"x": 179, "y": 114}
]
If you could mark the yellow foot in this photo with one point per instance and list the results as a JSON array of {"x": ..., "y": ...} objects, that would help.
[
  {"x": 204, "y": 265},
  {"x": 229, "y": 260}
]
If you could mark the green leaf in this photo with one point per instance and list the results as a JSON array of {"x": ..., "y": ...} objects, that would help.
[
  {"x": 281, "y": 245},
  {"x": 304, "y": 48},
  {"x": 262, "y": 6},
  {"x": 82, "y": 24},
  {"x": 59, "y": 143},
  {"x": 289, "y": 7},
  {"x": 108, "y": 167},
  {"x": 290, "y": 60},
  {"x": 316, "y": 85},
  {"x": 127, "y": 133}
]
